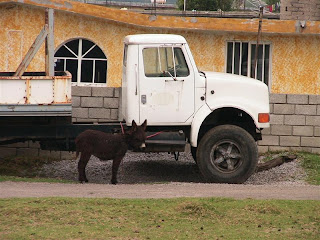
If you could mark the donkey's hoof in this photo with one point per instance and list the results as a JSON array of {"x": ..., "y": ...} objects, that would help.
[{"x": 114, "y": 182}]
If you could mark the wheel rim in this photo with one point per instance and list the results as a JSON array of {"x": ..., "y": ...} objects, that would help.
[{"x": 226, "y": 156}]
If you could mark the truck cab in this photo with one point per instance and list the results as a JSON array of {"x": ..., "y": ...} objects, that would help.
[{"x": 221, "y": 114}]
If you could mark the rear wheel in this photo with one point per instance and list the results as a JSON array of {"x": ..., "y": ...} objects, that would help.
[{"x": 227, "y": 154}]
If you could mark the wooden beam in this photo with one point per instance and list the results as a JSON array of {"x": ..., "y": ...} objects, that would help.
[
  {"x": 32, "y": 52},
  {"x": 50, "y": 42}
]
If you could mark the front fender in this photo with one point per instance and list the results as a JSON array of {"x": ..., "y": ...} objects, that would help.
[{"x": 197, "y": 121}]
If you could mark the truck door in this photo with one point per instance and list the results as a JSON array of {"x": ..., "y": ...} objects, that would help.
[{"x": 166, "y": 84}]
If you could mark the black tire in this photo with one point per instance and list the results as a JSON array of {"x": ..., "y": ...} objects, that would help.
[{"x": 227, "y": 154}]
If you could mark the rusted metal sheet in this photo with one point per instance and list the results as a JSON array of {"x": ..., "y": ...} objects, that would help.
[{"x": 35, "y": 94}]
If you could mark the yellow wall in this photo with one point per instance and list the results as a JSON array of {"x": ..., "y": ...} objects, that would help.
[{"x": 295, "y": 57}]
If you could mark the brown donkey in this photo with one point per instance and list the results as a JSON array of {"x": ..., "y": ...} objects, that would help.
[{"x": 108, "y": 146}]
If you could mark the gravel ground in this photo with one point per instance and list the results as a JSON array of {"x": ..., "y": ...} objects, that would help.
[
  {"x": 160, "y": 176},
  {"x": 162, "y": 168}
]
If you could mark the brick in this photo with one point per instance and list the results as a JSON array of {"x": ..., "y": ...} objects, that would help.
[
  {"x": 290, "y": 141},
  {"x": 310, "y": 141},
  {"x": 102, "y": 91},
  {"x": 298, "y": 120},
  {"x": 313, "y": 120},
  {"x": 7, "y": 152},
  {"x": 80, "y": 112},
  {"x": 111, "y": 102},
  {"x": 99, "y": 113},
  {"x": 318, "y": 110},
  {"x": 269, "y": 140},
  {"x": 306, "y": 110},
  {"x": 278, "y": 98},
  {"x": 302, "y": 130},
  {"x": 281, "y": 130},
  {"x": 283, "y": 109},
  {"x": 317, "y": 131},
  {"x": 94, "y": 102},
  {"x": 75, "y": 101},
  {"x": 276, "y": 119},
  {"x": 80, "y": 91},
  {"x": 297, "y": 99}
]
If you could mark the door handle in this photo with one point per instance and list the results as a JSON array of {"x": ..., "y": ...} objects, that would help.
[{"x": 174, "y": 80}]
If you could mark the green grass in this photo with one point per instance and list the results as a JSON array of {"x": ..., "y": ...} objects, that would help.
[
  {"x": 311, "y": 163},
  {"x": 206, "y": 218}
]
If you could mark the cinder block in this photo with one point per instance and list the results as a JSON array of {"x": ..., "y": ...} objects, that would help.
[
  {"x": 281, "y": 130},
  {"x": 317, "y": 131},
  {"x": 31, "y": 152},
  {"x": 102, "y": 91},
  {"x": 17, "y": 145},
  {"x": 114, "y": 114},
  {"x": 99, "y": 113},
  {"x": 92, "y": 102},
  {"x": 263, "y": 149},
  {"x": 34, "y": 144},
  {"x": 68, "y": 155},
  {"x": 283, "y": 109},
  {"x": 50, "y": 154},
  {"x": 80, "y": 91},
  {"x": 315, "y": 150},
  {"x": 313, "y": 120},
  {"x": 310, "y": 142},
  {"x": 297, "y": 99},
  {"x": 318, "y": 109},
  {"x": 278, "y": 98},
  {"x": 87, "y": 120},
  {"x": 269, "y": 140},
  {"x": 276, "y": 119},
  {"x": 266, "y": 131},
  {"x": 306, "y": 109},
  {"x": 271, "y": 108},
  {"x": 111, "y": 102},
  {"x": 300, "y": 149},
  {"x": 299, "y": 120},
  {"x": 80, "y": 113},
  {"x": 290, "y": 141},
  {"x": 117, "y": 92},
  {"x": 278, "y": 149},
  {"x": 303, "y": 130},
  {"x": 7, "y": 152},
  {"x": 75, "y": 101}
]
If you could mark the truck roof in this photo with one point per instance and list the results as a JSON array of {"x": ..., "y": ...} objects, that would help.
[{"x": 154, "y": 39}]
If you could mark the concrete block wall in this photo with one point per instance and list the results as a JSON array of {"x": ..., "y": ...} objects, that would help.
[
  {"x": 95, "y": 104},
  {"x": 295, "y": 124},
  {"x": 300, "y": 10}
]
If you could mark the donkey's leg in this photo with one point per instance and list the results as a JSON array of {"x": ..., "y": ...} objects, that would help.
[
  {"x": 115, "y": 167},
  {"x": 84, "y": 159}
]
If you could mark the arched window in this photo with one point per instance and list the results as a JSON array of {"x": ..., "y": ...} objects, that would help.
[{"x": 84, "y": 60}]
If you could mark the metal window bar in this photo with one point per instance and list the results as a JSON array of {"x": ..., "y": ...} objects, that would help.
[{"x": 79, "y": 61}]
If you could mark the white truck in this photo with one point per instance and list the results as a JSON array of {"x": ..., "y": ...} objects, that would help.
[{"x": 220, "y": 115}]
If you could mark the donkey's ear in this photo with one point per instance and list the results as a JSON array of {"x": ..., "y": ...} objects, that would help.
[
  {"x": 134, "y": 125},
  {"x": 144, "y": 125}
]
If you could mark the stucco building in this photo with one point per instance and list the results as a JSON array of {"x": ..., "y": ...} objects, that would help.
[{"x": 88, "y": 42}]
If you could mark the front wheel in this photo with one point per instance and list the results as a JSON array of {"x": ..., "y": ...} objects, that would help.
[{"x": 227, "y": 154}]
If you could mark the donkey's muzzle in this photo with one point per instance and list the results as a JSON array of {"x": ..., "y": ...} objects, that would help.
[{"x": 143, "y": 146}]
